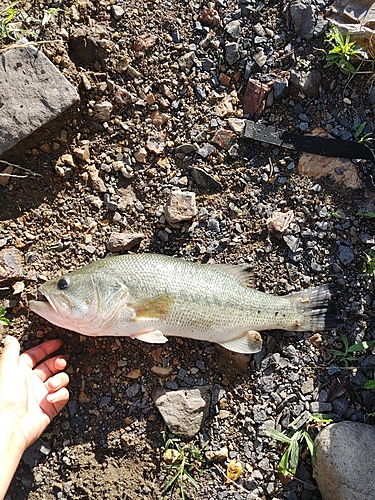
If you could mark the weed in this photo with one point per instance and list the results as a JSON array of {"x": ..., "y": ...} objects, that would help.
[
  {"x": 359, "y": 128},
  {"x": 289, "y": 461},
  {"x": 343, "y": 51},
  {"x": 3, "y": 320},
  {"x": 370, "y": 384},
  {"x": 335, "y": 215},
  {"x": 369, "y": 264},
  {"x": 6, "y": 16},
  {"x": 183, "y": 460},
  {"x": 369, "y": 215},
  {"x": 346, "y": 355}
]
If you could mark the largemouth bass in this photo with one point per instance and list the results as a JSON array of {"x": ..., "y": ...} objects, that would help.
[{"x": 150, "y": 297}]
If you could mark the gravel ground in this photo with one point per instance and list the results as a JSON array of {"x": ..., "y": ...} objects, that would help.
[{"x": 157, "y": 80}]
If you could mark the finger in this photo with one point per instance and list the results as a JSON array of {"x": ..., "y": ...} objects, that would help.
[
  {"x": 55, "y": 383},
  {"x": 56, "y": 402},
  {"x": 34, "y": 355},
  {"x": 11, "y": 352},
  {"x": 49, "y": 367}
]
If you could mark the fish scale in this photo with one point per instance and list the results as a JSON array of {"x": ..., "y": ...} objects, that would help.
[{"x": 151, "y": 297}]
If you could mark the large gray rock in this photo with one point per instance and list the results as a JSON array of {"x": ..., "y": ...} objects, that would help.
[
  {"x": 345, "y": 457},
  {"x": 183, "y": 411},
  {"x": 32, "y": 93}
]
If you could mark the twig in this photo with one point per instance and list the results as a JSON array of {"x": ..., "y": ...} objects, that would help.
[
  {"x": 18, "y": 166},
  {"x": 22, "y": 45}
]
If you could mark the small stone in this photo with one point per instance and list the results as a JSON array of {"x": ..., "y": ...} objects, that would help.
[
  {"x": 232, "y": 52},
  {"x": 162, "y": 371},
  {"x": 260, "y": 58},
  {"x": 184, "y": 411},
  {"x": 119, "y": 242},
  {"x": 254, "y": 100},
  {"x": 224, "y": 108},
  {"x": 217, "y": 455},
  {"x": 223, "y": 138},
  {"x": 224, "y": 79},
  {"x": 156, "y": 142},
  {"x": 145, "y": 42},
  {"x": 204, "y": 180},
  {"x": 117, "y": 12},
  {"x": 141, "y": 155},
  {"x": 10, "y": 265},
  {"x": 186, "y": 61},
  {"x": 279, "y": 222},
  {"x": 209, "y": 17},
  {"x": 346, "y": 254},
  {"x": 158, "y": 119},
  {"x": 306, "y": 81},
  {"x": 233, "y": 28},
  {"x": 97, "y": 182},
  {"x": 82, "y": 153},
  {"x": 102, "y": 111},
  {"x": 237, "y": 125},
  {"x": 180, "y": 206}
]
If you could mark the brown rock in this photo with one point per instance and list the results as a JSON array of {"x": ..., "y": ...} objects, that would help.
[
  {"x": 254, "y": 99},
  {"x": 158, "y": 119},
  {"x": 119, "y": 242},
  {"x": 224, "y": 108},
  {"x": 209, "y": 17},
  {"x": 145, "y": 42},
  {"x": 82, "y": 153},
  {"x": 340, "y": 169},
  {"x": 156, "y": 142},
  {"x": 10, "y": 264},
  {"x": 223, "y": 138},
  {"x": 279, "y": 222},
  {"x": 224, "y": 79}
]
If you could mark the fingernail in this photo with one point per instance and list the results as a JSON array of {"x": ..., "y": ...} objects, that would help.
[
  {"x": 55, "y": 382},
  {"x": 7, "y": 340}
]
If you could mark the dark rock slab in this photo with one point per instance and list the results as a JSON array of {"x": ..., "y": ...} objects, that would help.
[{"x": 32, "y": 93}]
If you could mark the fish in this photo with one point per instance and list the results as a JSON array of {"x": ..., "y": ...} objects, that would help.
[{"x": 151, "y": 297}]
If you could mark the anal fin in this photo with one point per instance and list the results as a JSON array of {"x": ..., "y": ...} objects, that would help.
[
  {"x": 250, "y": 343},
  {"x": 153, "y": 337}
]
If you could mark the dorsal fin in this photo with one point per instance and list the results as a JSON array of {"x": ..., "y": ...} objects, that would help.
[{"x": 240, "y": 272}]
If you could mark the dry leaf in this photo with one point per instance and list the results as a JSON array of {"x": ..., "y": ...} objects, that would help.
[{"x": 234, "y": 471}]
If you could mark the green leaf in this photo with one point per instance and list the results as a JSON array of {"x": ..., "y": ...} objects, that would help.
[
  {"x": 361, "y": 346},
  {"x": 310, "y": 445},
  {"x": 294, "y": 456},
  {"x": 274, "y": 434},
  {"x": 283, "y": 465},
  {"x": 370, "y": 384}
]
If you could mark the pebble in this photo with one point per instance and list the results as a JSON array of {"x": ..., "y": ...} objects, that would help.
[
  {"x": 180, "y": 206},
  {"x": 184, "y": 411}
]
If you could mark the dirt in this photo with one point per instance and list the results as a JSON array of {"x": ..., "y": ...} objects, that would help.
[{"x": 105, "y": 444}]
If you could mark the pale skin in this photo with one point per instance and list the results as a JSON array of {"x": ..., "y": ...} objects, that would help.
[{"x": 32, "y": 392}]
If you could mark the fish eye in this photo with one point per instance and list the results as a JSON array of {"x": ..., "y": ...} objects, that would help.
[{"x": 63, "y": 283}]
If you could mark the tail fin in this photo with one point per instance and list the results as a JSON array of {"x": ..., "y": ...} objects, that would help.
[{"x": 315, "y": 308}]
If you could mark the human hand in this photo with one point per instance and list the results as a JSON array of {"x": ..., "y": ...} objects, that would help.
[{"x": 31, "y": 391}]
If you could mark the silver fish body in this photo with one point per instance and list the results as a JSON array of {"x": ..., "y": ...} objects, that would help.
[{"x": 151, "y": 297}]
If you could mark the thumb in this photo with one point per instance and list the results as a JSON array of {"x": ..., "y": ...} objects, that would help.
[{"x": 11, "y": 352}]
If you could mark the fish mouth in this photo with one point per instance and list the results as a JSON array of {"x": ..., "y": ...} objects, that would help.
[{"x": 46, "y": 307}]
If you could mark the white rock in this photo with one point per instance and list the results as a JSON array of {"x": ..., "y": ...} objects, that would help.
[
  {"x": 180, "y": 206},
  {"x": 345, "y": 457},
  {"x": 184, "y": 411}
]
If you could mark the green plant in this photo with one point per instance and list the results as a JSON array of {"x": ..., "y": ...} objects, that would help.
[
  {"x": 370, "y": 384},
  {"x": 369, "y": 215},
  {"x": 346, "y": 354},
  {"x": 359, "y": 128},
  {"x": 343, "y": 51},
  {"x": 3, "y": 320},
  {"x": 6, "y": 16},
  {"x": 369, "y": 264},
  {"x": 183, "y": 460},
  {"x": 289, "y": 461}
]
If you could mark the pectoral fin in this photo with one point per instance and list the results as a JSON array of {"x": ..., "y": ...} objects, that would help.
[
  {"x": 155, "y": 337},
  {"x": 156, "y": 308},
  {"x": 249, "y": 343}
]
